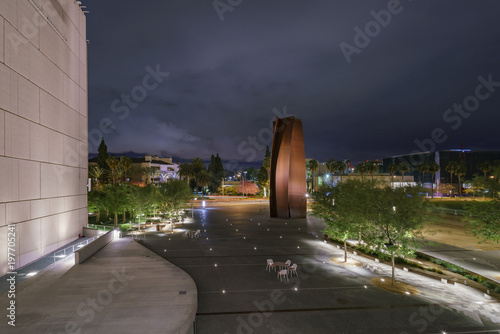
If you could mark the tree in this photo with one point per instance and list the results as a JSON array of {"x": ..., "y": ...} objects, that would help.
[
  {"x": 263, "y": 180},
  {"x": 485, "y": 168},
  {"x": 392, "y": 169},
  {"x": 395, "y": 216},
  {"x": 423, "y": 168},
  {"x": 216, "y": 170},
  {"x": 115, "y": 198},
  {"x": 203, "y": 179},
  {"x": 340, "y": 166},
  {"x": 95, "y": 201},
  {"x": 340, "y": 208},
  {"x": 371, "y": 167},
  {"x": 185, "y": 171},
  {"x": 433, "y": 169},
  {"x": 119, "y": 173},
  {"x": 444, "y": 188},
  {"x": 197, "y": 168},
  {"x": 112, "y": 163},
  {"x": 249, "y": 188},
  {"x": 251, "y": 174},
  {"x": 484, "y": 221},
  {"x": 97, "y": 173},
  {"x": 175, "y": 194},
  {"x": 313, "y": 166},
  {"x": 148, "y": 173},
  {"x": 142, "y": 199},
  {"x": 460, "y": 171},
  {"x": 362, "y": 168},
  {"x": 267, "y": 159},
  {"x": 403, "y": 168},
  {"x": 451, "y": 168},
  {"x": 331, "y": 166},
  {"x": 126, "y": 164},
  {"x": 102, "y": 156}
]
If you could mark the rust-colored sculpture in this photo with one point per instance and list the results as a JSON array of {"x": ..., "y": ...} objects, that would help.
[{"x": 288, "y": 170}]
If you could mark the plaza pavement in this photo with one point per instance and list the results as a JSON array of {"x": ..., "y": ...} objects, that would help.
[
  {"x": 123, "y": 288},
  {"x": 237, "y": 295}
]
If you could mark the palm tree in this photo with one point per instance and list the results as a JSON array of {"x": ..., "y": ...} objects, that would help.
[
  {"x": 148, "y": 172},
  {"x": 460, "y": 171},
  {"x": 185, "y": 171},
  {"x": 204, "y": 178},
  {"x": 392, "y": 169},
  {"x": 403, "y": 168},
  {"x": 308, "y": 175},
  {"x": 341, "y": 165},
  {"x": 119, "y": 173},
  {"x": 485, "y": 167},
  {"x": 330, "y": 166},
  {"x": 423, "y": 168},
  {"x": 97, "y": 173},
  {"x": 126, "y": 164},
  {"x": 112, "y": 162},
  {"x": 362, "y": 168},
  {"x": 197, "y": 168},
  {"x": 347, "y": 163},
  {"x": 433, "y": 169},
  {"x": 313, "y": 166},
  {"x": 371, "y": 167},
  {"x": 451, "y": 168}
]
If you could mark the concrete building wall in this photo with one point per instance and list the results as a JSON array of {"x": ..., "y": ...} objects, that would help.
[{"x": 43, "y": 126}]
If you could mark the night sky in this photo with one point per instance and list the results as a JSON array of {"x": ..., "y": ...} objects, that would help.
[{"x": 232, "y": 70}]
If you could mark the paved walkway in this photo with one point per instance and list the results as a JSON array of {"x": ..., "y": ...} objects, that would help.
[
  {"x": 484, "y": 263},
  {"x": 124, "y": 288},
  {"x": 237, "y": 294}
]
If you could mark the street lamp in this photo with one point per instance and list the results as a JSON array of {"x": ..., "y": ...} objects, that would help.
[{"x": 244, "y": 183}]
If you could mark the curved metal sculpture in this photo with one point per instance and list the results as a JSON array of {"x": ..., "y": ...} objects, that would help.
[{"x": 288, "y": 170}]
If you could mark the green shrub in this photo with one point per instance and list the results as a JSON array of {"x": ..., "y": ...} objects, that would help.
[{"x": 490, "y": 285}]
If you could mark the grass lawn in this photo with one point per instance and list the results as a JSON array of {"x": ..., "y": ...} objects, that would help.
[{"x": 453, "y": 203}]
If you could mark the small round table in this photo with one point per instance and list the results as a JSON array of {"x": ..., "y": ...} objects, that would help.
[{"x": 280, "y": 264}]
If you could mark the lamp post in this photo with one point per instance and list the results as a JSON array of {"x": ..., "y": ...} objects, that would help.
[{"x": 244, "y": 183}]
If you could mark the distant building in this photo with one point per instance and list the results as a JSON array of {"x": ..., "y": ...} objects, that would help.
[
  {"x": 163, "y": 169},
  {"x": 322, "y": 176},
  {"x": 471, "y": 159}
]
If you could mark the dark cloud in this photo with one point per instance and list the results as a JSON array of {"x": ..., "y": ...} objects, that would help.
[{"x": 227, "y": 77}]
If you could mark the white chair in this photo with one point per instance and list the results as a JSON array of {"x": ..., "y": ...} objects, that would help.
[
  {"x": 270, "y": 264},
  {"x": 185, "y": 235},
  {"x": 293, "y": 269},
  {"x": 197, "y": 234},
  {"x": 288, "y": 263},
  {"x": 282, "y": 273}
]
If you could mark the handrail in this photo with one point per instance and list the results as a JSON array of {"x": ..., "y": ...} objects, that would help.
[
  {"x": 450, "y": 211},
  {"x": 63, "y": 253}
]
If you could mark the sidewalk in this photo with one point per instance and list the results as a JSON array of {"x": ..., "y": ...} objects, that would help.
[
  {"x": 484, "y": 263},
  {"x": 123, "y": 288}
]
